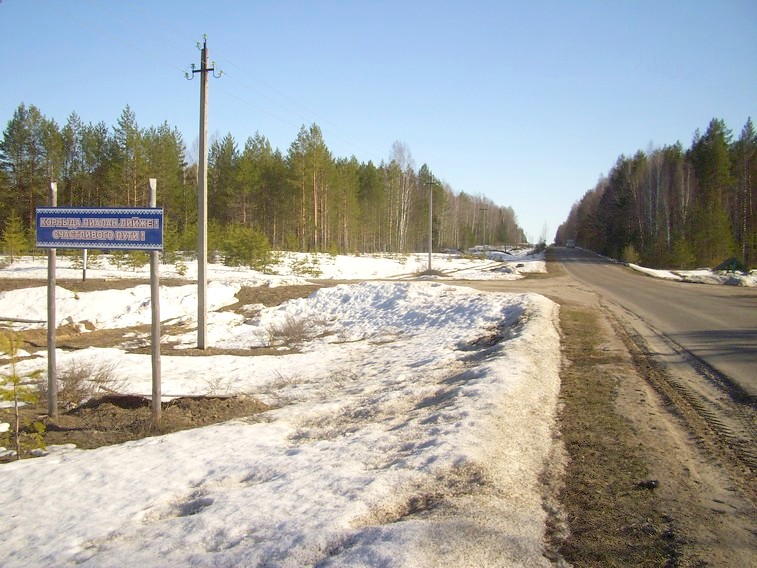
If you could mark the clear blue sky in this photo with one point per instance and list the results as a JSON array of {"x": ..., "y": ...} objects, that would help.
[{"x": 527, "y": 103}]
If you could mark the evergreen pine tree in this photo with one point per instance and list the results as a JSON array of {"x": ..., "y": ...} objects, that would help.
[
  {"x": 712, "y": 231},
  {"x": 682, "y": 255},
  {"x": 14, "y": 237},
  {"x": 744, "y": 160}
]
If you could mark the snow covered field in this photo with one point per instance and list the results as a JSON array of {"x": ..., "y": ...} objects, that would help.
[
  {"x": 411, "y": 428},
  {"x": 296, "y": 268}
]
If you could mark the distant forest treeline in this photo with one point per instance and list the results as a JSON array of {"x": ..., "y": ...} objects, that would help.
[
  {"x": 306, "y": 199},
  {"x": 675, "y": 208}
]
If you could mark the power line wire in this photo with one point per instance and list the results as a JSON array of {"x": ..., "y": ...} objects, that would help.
[
  {"x": 300, "y": 116},
  {"x": 355, "y": 142},
  {"x": 364, "y": 147},
  {"x": 110, "y": 35}
]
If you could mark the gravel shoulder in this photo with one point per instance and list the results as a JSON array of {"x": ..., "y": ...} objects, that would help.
[{"x": 650, "y": 478}]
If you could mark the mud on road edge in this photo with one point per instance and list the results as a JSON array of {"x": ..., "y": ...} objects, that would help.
[
  {"x": 641, "y": 487},
  {"x": 719, "y": 416},
  {"x": 608, "y": 498}
]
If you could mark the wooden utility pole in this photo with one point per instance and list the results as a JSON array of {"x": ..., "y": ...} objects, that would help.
[
  {"x": 155, "y": 307},
  {"x": 202, "y": 197},
  {"x": 430, "y": 223},
  {"x": 52, "y": 372},
  {"x": 202, "y": 206},
  {"x": 484, "y": 211},
  {"x": 430, "y": 184}
]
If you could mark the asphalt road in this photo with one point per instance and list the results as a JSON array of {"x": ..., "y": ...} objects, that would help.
[{"x": 717, "y": 324}]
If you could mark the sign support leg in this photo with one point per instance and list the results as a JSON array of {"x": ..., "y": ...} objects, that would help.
[
  {"x": 52, "y": 372},
  {"x": 155, "y": 305}
]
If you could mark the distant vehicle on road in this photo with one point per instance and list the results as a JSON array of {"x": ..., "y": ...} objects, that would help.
[{"x": 570, "y": 243}]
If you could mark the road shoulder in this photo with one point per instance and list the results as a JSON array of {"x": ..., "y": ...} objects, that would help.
[{"x": 640, "y": 487}]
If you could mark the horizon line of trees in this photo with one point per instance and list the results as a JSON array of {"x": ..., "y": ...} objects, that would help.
[
  {"x": 305, "y": 199},
  {"x": 675, "y": 208}
]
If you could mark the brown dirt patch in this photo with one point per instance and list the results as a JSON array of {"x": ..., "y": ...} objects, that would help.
[
  {"x": 120, "y": 418},
  {"x": 273, "y": 296},
  {"x": 136, "y": 339},
  {"x": 89, "y": 285}
]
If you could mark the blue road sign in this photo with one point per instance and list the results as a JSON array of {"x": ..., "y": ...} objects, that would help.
[{"x": 98, "y": 228}]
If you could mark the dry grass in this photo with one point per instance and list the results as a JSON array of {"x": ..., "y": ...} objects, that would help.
[
  {"x": 290, "y": 331},
  {"x": 79, "y": 382},
  {"x": 613, "y": 520}
]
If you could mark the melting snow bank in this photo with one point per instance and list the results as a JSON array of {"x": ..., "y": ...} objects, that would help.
[
  {"x": 702, "y": 276},
  {"x": 414, "y": 428}
]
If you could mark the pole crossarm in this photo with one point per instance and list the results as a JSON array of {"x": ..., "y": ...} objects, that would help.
[{"x": 203, "y": 63}]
